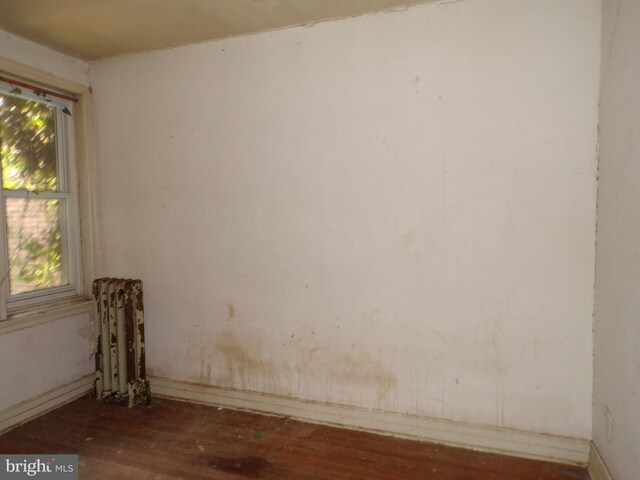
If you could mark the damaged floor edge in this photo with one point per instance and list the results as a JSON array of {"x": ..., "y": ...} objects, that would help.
[{"x": 504, "y": 441}]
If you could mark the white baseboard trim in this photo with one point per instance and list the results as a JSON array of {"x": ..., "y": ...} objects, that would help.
[
  {"x": 597, "y": 468},
  {"x": 34, "y": 407},
  {"x": 476, "y": 437}
]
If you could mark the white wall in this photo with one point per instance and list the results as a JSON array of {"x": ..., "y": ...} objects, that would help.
[
  {"x": 394, "y": 211},
  {"x": 43, "y": 59},
  {"x": 41, "y": 358},
  {"x": 36, "y": 360},
  {"x": 617, "y": 299}
]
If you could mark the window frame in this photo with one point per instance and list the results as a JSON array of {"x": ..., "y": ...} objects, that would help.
[{"x": 68, "y": 190}]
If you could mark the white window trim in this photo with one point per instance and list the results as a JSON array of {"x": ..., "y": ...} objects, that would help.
[
  {"x": 57, "y": 305},
  {"x": 67, "y": 183}
]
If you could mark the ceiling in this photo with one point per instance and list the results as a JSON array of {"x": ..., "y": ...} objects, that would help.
[{"x": 95, "y": 29}]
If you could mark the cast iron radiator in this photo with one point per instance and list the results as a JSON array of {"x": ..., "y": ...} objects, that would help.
[{"x": 119, "y": 326}]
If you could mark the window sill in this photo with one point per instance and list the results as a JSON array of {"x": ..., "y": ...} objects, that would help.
[{"x": 34, "y": 315}]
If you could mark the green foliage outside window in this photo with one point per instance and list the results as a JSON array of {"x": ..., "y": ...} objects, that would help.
[{"x": 28, "y": 150}]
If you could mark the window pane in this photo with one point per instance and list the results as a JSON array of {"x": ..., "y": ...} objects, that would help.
[
  {"x": 37, "y": 244},
  {"x": 28, "y": 144}
]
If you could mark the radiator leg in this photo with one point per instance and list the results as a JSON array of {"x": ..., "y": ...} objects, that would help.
[
  {"x": 99, "y": 387},
  {"x": 131, "y": 393}
]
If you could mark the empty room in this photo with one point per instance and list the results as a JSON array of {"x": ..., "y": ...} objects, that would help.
[{"x": 320, "y": 239}]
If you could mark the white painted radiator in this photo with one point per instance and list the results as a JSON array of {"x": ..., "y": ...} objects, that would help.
[{"x": 119, "y": 326}]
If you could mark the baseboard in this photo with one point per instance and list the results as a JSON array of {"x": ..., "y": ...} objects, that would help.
[
  {"x": 476, "y": 437},
  {"x": 597, "y": 468},
  {"x": 32, "y": 408}
]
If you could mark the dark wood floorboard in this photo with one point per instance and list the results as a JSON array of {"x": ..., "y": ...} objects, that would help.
[{"x": 173, "y": 439}]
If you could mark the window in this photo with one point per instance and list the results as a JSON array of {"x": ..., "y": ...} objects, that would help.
[{"x": 39, "y": 229}]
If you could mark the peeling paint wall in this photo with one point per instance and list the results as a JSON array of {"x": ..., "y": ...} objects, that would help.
[
  {"x": 616, "y": 404},
  {"x": 394, "y": 211}
]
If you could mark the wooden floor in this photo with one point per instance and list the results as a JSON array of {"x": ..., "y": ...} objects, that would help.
[{"x": 173, "y": 439}]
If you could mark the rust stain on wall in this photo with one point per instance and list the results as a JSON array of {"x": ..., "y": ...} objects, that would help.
[
  {"x": 241, "y": 363},
  {"x": 231, "y": 311},
  {"x": 363, "y": 369},
  {"x": 239, "y": 353}
]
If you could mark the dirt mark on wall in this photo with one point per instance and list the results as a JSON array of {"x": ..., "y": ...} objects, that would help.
[
  {"x": 241, "y": 363},
  {"x": 86, "y": 332},
  {"x": 226, "y": 360},
  {"x": 489, "y": 341},
  {"x": 364, "y": 370}
]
